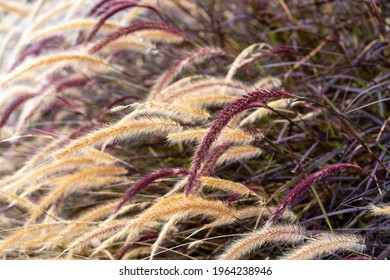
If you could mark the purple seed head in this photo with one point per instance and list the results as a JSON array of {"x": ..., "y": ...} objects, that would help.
[
  {"x": 13, "y": 106},
  {"x": 296, "y": 193},
  {"x": 114, "y": 9},
  {"x": 122, "y": 251},
  {"x": 219, "y": 124},
  {"x": 133, "y": 28},
  {"x": 148, "y": 179},
  {"x": 201, "y": 54},
  {"x": 96, "y": 7},
  {"x": 38, "y": 47}
]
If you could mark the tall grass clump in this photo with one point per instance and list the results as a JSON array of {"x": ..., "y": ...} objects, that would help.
[{"x": 194, "y": 129}]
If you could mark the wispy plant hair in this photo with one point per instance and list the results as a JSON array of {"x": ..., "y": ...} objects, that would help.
[
  {"x": 131, "y": 29},
  {"x": 253, "y": 241},
  {"x": 325, "y": 244},
  {"x": 120, "y": 132},
  {"x": 380, "y": 210}
]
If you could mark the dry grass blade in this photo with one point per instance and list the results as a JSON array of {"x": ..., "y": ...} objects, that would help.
[{"x": 168, "y": 227}]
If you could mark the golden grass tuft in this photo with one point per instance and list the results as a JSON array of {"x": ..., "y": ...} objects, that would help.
[
  {"x": 253, "y": 241},
  {"x": 120, "y": 132},
  {"x": 174, "y": 111},
  {"x": 236, "y": 153},
  {"x": 71, "y": 26},
  {"x": 73, "y": 58},
  {"x": 263, "y": 112},
  {"x": 176, "y": 205},
  {"x": 226, "y": 185},
  {"x": 94, "y": 176},
  {"x": 22, "y": 234},
  {"x": 229, "y": 135},
  {"x": 326, "y": 244},
  {"x": 380, "y": 210},
  {"x": 14, "y": 7}
]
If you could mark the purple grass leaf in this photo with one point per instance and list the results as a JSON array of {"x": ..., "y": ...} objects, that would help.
[
  {"x": 219, "y": 124},
  {"x": 212, "y": 159},
  {"x": 71, "y": 83},
  {"x": 296, "y": 193},
  {"x": 148, "y": 179},
  {"x": 13, "y": 106},
  {"x": 122, "y": 251},
  {"x": 37, "y": 48},
  {"x": 133, "y": 28},
  {"x": 59, "y": 86},
  {"x": 234, "y": 196},
  {"x": 69, "y": 103},
  {"x": 210, "y": 162},
  {"x": 114, "y": 10}
]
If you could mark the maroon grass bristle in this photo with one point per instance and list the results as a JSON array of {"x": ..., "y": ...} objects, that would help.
[
  {"x": 212, "y": 159},
  {"x": 122, "y": 251},
  {"x": 103, "y": 111},
  {"x": 219, "y": 124},
  {"x": 13, "y": 106},
  {"x": 114, "y": 10},
  {"x": 69, "y": 103},
  {"x": 37, "y": 48},
  {"x": 210, "y": 162},
  {"x": 148, "y": 179},
  {"x": 203, "y": 53},
  {"x": 133, "y": 28},
  {"x": 296, "y": 193},
  {"x": 268, "y": 53},
  {"x": 70, "y": 83},
  {"x": 234, "y": 196},
  {"x": 103, "y": 9},
  {"x": 60, "y": 85}
]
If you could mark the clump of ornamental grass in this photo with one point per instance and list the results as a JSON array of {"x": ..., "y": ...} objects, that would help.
[{"x": 194, "y": 130}]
